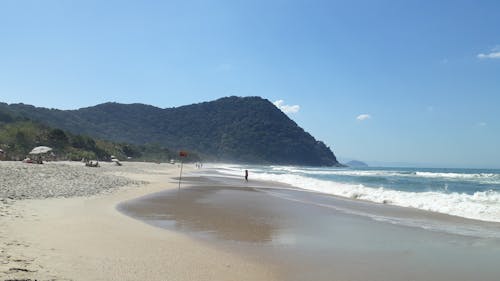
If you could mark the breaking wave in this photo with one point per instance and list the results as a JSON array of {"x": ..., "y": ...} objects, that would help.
[
  {"x": 483, "y": 205},
  {"x": 480, "y": 205}
]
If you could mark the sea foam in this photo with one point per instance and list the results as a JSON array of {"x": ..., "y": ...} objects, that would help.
[{"x": 480, "y": 205}]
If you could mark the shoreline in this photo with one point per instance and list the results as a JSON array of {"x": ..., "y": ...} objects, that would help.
[
  {"x": 87, "y": 238},
  {"x": 312, "y": 236},
  {"x": 380, "y": 208},
  {"x": 473, "y": 194},
  {"x": 228, "y": 229}
]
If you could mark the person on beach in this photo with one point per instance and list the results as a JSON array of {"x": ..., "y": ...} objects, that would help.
[{"x": 246, "y": 175}]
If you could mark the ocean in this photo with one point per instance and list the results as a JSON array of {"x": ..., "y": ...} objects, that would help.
[{"x": 467, "y": 193}]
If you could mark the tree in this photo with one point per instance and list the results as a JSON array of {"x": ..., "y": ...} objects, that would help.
[{"x": 58, "y": 138}]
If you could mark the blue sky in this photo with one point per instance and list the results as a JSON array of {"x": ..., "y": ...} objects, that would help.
[{"x": 422, "y": 76}]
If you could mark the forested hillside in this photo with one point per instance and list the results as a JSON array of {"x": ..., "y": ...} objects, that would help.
[
  {"x": 249, "y": 129},
  {"x": 18, "y": 135}
]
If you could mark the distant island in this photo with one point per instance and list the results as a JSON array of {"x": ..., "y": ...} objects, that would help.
[
  {"x": 356, "y": 163},
  {"x": 232, "y": 129}
]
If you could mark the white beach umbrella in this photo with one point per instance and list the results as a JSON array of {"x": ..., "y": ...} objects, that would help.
[{"x": 40, "y": 150}]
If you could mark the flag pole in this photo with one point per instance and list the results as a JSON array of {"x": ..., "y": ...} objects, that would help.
[
  {"x": 180, "y": 176},
  {"x": 182, "y": 154}
]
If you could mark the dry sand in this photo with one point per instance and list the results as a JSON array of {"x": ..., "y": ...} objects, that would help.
[{"x": 86, "y": 238}]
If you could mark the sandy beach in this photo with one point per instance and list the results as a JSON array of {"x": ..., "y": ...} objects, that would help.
[
  {"x": 63, "y": 221},
  {"x": 70, "y": 229}
]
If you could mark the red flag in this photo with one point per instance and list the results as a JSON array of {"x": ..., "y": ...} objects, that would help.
[{"x": 183, "y": 154}]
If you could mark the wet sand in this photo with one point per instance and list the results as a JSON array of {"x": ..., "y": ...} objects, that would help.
[{"x": 310, "y": 236}]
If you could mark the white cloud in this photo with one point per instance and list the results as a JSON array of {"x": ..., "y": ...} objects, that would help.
[
  {"x": 482, "y": 124},
  {"x": 287, "y": 108},
  {"x": 363, "y": 117},
  {"x": 493, "y": 54}
]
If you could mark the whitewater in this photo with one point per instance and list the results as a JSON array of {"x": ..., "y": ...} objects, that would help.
[{"x": 468, "y": 193}]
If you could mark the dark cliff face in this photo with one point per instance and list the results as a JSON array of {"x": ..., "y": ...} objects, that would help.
[{"x": 238, "y": 129}]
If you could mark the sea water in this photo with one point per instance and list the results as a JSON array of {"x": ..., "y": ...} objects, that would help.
[{"x": 468, "y": 193}]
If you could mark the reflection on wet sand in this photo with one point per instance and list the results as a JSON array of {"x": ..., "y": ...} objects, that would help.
[{"x": 198, "y": 209}]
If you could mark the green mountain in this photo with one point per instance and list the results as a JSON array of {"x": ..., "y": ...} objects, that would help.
[
  {"x": 236, "y": 129},
  {"x": 18, "y": 135}
]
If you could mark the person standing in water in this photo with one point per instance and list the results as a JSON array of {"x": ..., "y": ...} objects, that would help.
[{"x": 246, "y": 175}]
